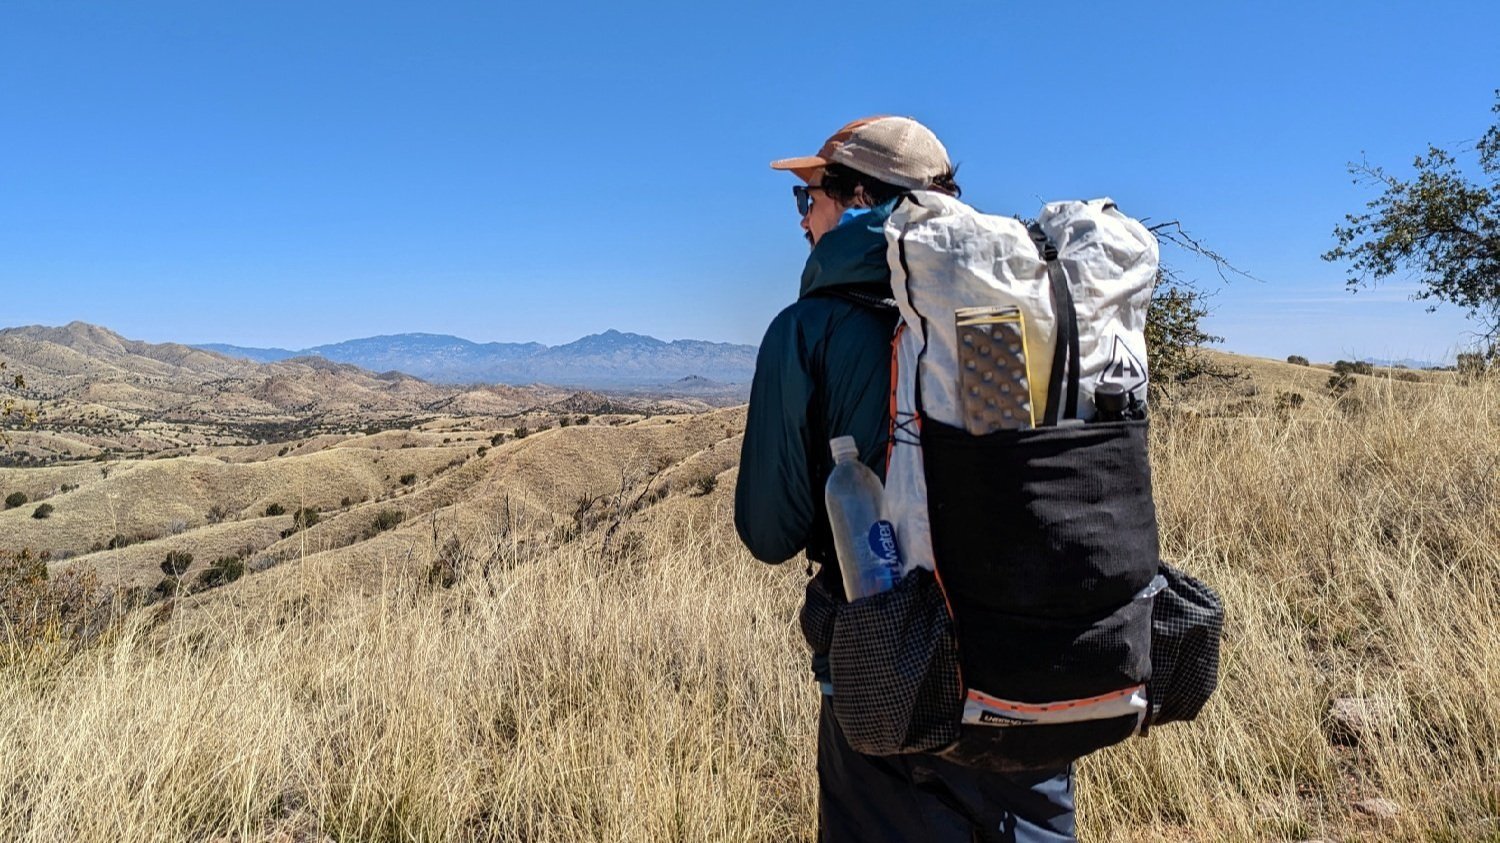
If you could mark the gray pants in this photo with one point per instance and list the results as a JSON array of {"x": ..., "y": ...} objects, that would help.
[{"x": 873, "y": 799}]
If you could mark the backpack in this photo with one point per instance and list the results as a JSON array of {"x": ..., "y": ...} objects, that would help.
[{"x": 1035, "y": 621}]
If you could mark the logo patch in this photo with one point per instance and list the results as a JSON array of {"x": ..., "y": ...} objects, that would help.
[
  {"x": 998, "y": 719},
  {"x": 1125, "y": 368}
]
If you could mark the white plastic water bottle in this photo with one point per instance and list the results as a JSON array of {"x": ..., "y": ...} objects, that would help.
[{"x": 868, "y": 556}]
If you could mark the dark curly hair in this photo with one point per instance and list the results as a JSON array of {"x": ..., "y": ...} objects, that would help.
[{"x": 841, "y": 184}]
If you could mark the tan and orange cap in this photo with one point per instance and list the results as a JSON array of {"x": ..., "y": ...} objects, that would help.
[{"x": 896, "y": 150}]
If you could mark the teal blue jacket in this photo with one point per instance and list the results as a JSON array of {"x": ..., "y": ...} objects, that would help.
[{"x": 823, "y": 371}]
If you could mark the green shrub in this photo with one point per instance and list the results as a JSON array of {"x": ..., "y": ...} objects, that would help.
[
  {"x": 564, "y": 421},
  {"x": 176, "y": 563},
  {"x": 522, "y": 432},
  {"x": 386, "y": 519},
  {"x": 582, "y": 420},
  {"x": 1298, "y": 360},
  {"x": 483, "y": 449},
  {"x": 497, "y": 439},
  {"x": 275, "y": 509},
  {"x": 43, "y": 511},
  {"x": 408, "y": 478},
  {"x": 15, "y": 499},
  {"x": 1353, "y": 367}
]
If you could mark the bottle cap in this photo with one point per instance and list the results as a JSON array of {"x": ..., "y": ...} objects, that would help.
[{"x": 843, "y": 447}]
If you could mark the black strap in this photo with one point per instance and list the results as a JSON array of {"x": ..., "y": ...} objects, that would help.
[
  {"x": 869, "y": 300},
  {"x": 1065, "y": 355}
]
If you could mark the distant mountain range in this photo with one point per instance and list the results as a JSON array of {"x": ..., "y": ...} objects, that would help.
[
  {"x": 80, "y": 368},
  {"x": 608, "y": 360}
]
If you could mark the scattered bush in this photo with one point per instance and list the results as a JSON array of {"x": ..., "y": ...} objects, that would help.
[
  {"x": 408, "y": 478},
  {"x": 582, "y": 420},
  {"x": 654, "y": 494},
  {"x": 225, "y": 569},
  {"x": 15, "y": 499},
  {"x": 1297, "y": 360},
  {"x": 483, "y": 449},
  {"x": 497, "y": 439},
  {"x": 217, "y": 514},
  {"x": 120, "y": 540},
  {"x": 564, "y": 421},
  {"x": 275, "y": 509},
  {"x": 387, "y": 519},
  {"x": 40, "y": 610},
  {"x": 522, "y": 432},
  {"x": 168, "y": 587},
  {"x": 1474, "y": 364},
  {"x": 1288, "y": 401},
  {"x": 445, "y": 569},
  {"x": 43, "y": 511},
  {"x": 1353, "y": 367},
  {"x": 176, "y": 563},
  {"x": 346, "y": 502},
  {"x": 1339, "y": 383},
  {"x": 705, "y": 485},
  {"x": 306, "y": 516}
]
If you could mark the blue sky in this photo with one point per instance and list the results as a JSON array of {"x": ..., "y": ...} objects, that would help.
[{"x": 295, "y": 173}]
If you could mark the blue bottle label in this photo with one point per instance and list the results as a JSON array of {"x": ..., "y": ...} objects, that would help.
[{"x": 883, "y": 544}]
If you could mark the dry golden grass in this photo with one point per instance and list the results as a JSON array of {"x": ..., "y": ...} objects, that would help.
[{"x": 659, "y": 691}]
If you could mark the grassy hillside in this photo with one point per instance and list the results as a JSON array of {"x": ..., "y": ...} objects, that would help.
[{"x": 565, "y": 641}]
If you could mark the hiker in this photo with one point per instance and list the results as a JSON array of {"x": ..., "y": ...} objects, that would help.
[{"x": 823, "y": 370}]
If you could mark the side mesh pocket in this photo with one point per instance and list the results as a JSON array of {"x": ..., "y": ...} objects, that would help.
[
  {"x": 895, "y": 670},
  {"x": 816, "y": 618},
  {"x": 1187, "y": 620}
]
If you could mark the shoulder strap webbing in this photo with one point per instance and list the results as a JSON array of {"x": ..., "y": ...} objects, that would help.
[{"x": 1065, "y": 355}]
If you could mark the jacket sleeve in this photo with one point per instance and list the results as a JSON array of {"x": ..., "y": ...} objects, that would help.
[{"x": 773, "y": 505}]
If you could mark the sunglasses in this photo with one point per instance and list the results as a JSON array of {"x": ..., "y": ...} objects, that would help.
[{"x": 803, "y": 193}]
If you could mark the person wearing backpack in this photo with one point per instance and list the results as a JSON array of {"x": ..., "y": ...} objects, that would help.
[{"x": 824, "y": 370}]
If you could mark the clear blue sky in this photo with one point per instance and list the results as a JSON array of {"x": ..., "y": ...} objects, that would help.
[{"x": 294, "y": 173}]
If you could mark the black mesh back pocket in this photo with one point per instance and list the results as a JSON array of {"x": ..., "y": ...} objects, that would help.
[
  {"x": 1187, "y": 619},
  {"x": 895, "y": 670}
]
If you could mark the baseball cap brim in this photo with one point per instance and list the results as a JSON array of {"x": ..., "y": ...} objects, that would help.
[
  {"x": 806, "y": 162},
  {"x": 803, "y": 167}
]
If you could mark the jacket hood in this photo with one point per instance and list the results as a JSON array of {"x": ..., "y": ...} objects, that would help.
[{"x": 852, "y": 254}]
